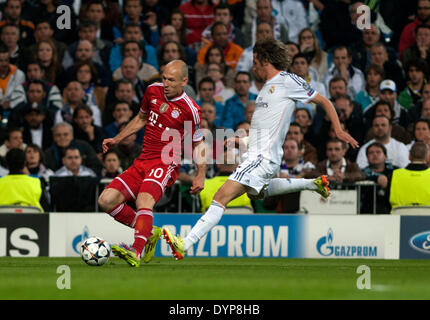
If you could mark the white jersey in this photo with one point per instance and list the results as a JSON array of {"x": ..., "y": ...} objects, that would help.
[{"x": 273, "y": 110}]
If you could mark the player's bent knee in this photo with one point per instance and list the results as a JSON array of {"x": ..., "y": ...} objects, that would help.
[{"x": 109, "y": 199}]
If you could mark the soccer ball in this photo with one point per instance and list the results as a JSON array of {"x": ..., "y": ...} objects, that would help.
[{"x": 95, "y": 251}]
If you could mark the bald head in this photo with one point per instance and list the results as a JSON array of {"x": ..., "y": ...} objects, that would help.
[
  {"x": 175, "y": 78},
  {"x": 177, "y": 66}
]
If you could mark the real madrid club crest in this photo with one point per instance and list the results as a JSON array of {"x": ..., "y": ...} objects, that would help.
[
  {"x": 164, "y": 107},
  {"x": 272, "y": 89}
]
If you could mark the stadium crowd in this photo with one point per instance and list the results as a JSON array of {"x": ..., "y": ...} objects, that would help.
[{"x": 64, "y": 88}]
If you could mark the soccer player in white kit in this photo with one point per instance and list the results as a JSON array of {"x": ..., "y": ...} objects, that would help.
[{"x": 275, "y": 105}]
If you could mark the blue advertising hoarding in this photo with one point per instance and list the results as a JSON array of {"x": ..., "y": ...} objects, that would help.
[
  {"x": 415, "y": 237},
  {"x": 279, "y": 236}
]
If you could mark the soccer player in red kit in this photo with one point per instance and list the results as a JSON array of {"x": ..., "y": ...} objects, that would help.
[{"x": 168, "y": 114}]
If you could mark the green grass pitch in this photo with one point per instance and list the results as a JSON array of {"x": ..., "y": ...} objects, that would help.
[{"x": 214, "y": 279}]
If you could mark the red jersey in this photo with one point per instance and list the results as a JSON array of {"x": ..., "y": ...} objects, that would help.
[{"x": 169, "y": 121}]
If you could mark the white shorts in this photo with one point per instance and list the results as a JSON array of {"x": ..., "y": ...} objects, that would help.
[{"x": 255, "y": 174}]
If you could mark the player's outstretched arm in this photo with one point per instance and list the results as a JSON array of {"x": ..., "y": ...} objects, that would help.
[
  {"x": 331, "y": 112},
  {"x": 199, "y": 152},
  {"x": 137, "y": 123}
]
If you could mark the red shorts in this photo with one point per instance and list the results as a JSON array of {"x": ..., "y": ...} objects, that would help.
[{"x": 151, "y": 176}]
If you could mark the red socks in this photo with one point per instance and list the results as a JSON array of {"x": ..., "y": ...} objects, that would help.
[
  {"x": 125, "y": 214},
  {"x": 142, "y": 229}
]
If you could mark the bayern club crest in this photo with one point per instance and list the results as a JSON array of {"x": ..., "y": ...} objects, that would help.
[
  {"x": 175, "y": 114},
  {"x": 164, "y": 107}
]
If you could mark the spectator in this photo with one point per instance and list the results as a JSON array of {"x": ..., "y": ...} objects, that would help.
[
  {"x": 35, "y": 163},
  {"x": 122, "y": 113},
  {"x": 211, "y": 186},
  {"x": 85, "y": 53},
  {"x": 407, "y": 37},
  {"x": 72, "y": 165},
  {"x": 127, "y": 149},
  {"x": 336, "y": 167},
  {"x": 35, "y": 72},
  {"x": 309, "y": 46},
  {"x": 293, "y": 49},
  {"x": 36, "y": 95},
  {"x": 353, "y": 121},
  {"x": 11, "y": 77},
  {"x": 123, "y": 91},
  {"x": 307, "y": 152},
  {"x": 84, "y": 128},
  {"x": 88, "y": 31},
  {"x": 293, "y": 15},
  {"x": 336, "y": 24},
  {"x": 396, "y": 150},
  {"x": 417, "y": 76},
  {"x": 129, "y": 70},
  {"x": 414, "y": 112},
  {"x": 44, "y": 31},
  {"x": 224, "y": 14},
  {"x": 95, "y": 11},
  {"x": 48, "y": 10},
  {"x": 74, "y": 96},
  {"x": 168, "y": 33},
  {"x": 380, "y": 172},
  {"x": 264, "y": 31},
  {"x": 86, "y": 74},
  {"x": 63, "y": 138},
  {"x": 421, "y": 132},
  {"x": 169, "y": 51},
  {"x": 46, "y": 55},
  {"x": 304, "y": 118},
  {"x": 12, "y": 15},
  {"x": 328, "y": 134},
  {"x": 13, "y": 140},
  {"x": 388, "y": 93},
  {"x": 111, "y": 165},
  {"x": 135, "y": 49},
  {"x": 425, "y": 111},
  {"x": 361, "y": 49},
  {"x": 234, "y": 110},
  {"x": 177, "y": 20},
  {"x": 416, "y": 176},
  {"x": 206, "y": 91},
  {"x": 231, "y": 51},
  {"x": 292, "y": 166},
  {"x": 342, "y": 67},
  {"x": 265, "y": 13},
  {"x": 421, "y": 48},
  {"x": 133, "y": 15},
  {"x": 337, "y": 87},
  {"x": 215, "y": 55},
  {"x": 374, "y": 75},
  {"x": 37, "y": 126},
  {"x": 222, "y": 91},
  {"x": 155, "y": 16},
  {"x": 383, "y": 108},
  {"x": 198, "y": 15},
  {"x": 10, "y": 37},
  {"x": 390, "y": 64},
  {"x": 17, "y": 188}
]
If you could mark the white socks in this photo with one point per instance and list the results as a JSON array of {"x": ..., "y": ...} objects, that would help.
[
  {"x": 280, "y": 186},
  {"x": 205, "y": 224}
]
